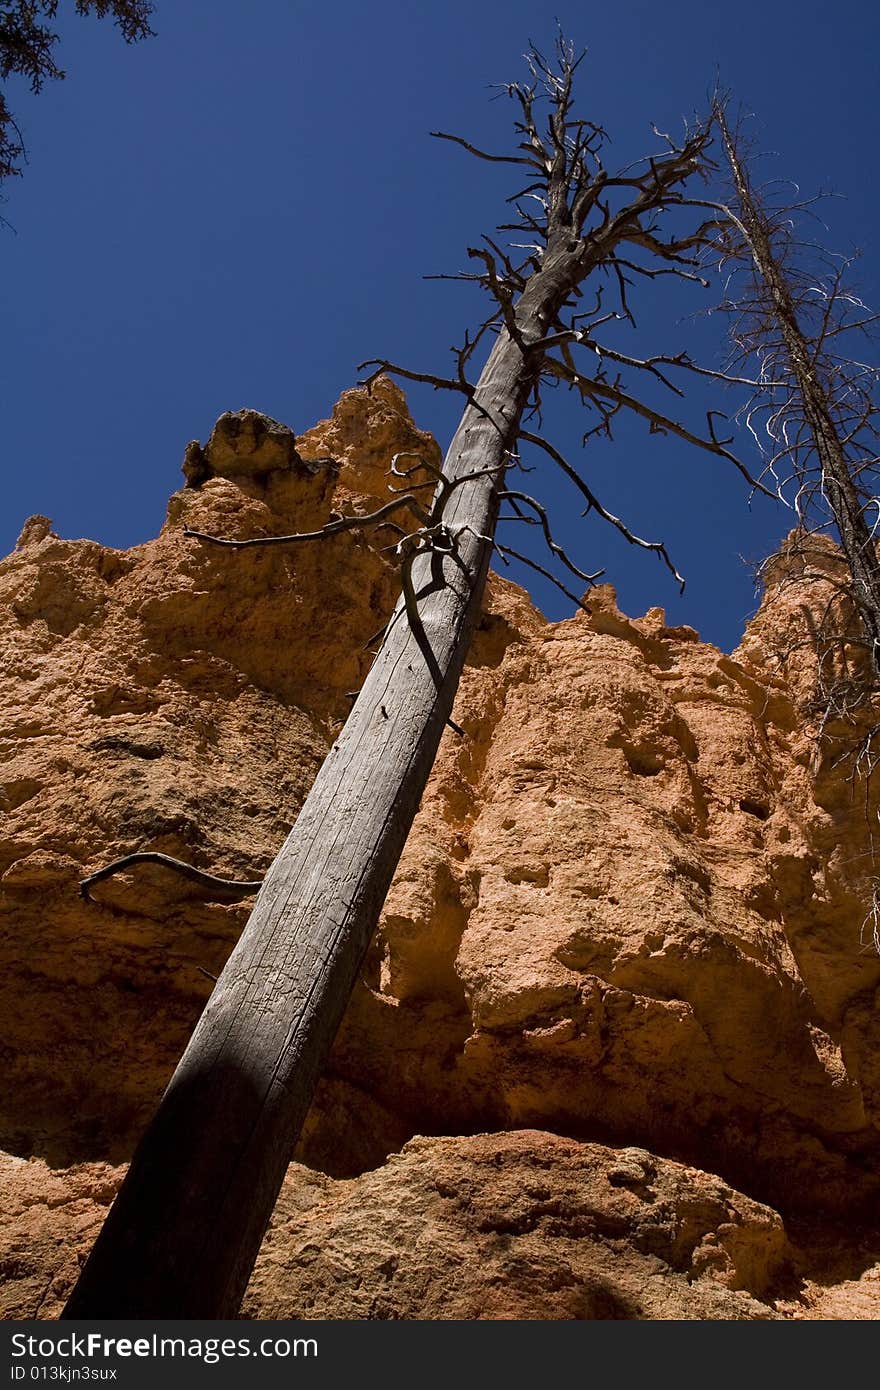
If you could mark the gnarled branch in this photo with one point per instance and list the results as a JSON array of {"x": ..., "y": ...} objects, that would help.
[
  {"x": 200, "y": 876},
  {"x": 593, "y": 504}
]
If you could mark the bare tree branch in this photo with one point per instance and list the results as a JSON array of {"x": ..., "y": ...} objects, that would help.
[
  {"x": 593, "y": 504},
  {"x": 206, "y": 880},
  {"x": 383, "y": 368},
  {"x": 333, "y": 528},
  {"x": 552, "y": 545},
  {"x": 481, "y": 154},
  {"x": 589, "y": 387},
  {"x": 506, "y": 550}
]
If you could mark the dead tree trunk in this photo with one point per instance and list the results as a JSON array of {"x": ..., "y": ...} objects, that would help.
[{"x": 185, "y": 1230}]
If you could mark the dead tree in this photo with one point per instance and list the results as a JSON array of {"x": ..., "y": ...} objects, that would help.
[
  {"x": 186, "y": 1227},
  {"x": 815, "y": 414},
  {"x": 815, "y": 417}
]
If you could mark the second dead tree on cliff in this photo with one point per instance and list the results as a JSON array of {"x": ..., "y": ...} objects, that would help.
[
  {"x": 815, "y": 414},
  {"x": 185, "y": 1230},
  {"x": 803, "y": 330}
]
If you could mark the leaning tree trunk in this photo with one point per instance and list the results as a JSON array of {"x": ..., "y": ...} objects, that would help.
[
  {"x": 856, "y": 537},
  {"x": 184, "y": 1232}
]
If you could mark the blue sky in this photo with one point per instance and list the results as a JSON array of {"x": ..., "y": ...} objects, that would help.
[{"x": 237, "y": 212}]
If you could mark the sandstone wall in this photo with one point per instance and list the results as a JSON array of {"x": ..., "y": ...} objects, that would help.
[{"x": 621, "y": 988}]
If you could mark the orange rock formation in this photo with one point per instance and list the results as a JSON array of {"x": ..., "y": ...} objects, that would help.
[{"x": 614, "y": 1052}]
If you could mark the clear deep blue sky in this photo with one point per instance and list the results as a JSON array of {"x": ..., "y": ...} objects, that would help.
[{"x": 236, "y": 212}]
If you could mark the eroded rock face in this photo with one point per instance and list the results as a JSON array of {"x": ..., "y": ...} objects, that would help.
[
  {"x": 148, "y": 706},
  {"x": 610, "y": 910},
  {"x": 517, "y": 1225},
  {"x": 510, "y": 1225},
  {"x": 629, "y": 911}
]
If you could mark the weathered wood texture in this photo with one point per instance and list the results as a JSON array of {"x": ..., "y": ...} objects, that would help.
[{"x": 186, "y": 1227}]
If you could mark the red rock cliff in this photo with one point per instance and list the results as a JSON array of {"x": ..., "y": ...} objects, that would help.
[{"x": 614, "y": 1050}]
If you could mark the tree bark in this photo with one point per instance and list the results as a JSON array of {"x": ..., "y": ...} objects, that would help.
[{"x": 184, "y": 1232}]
